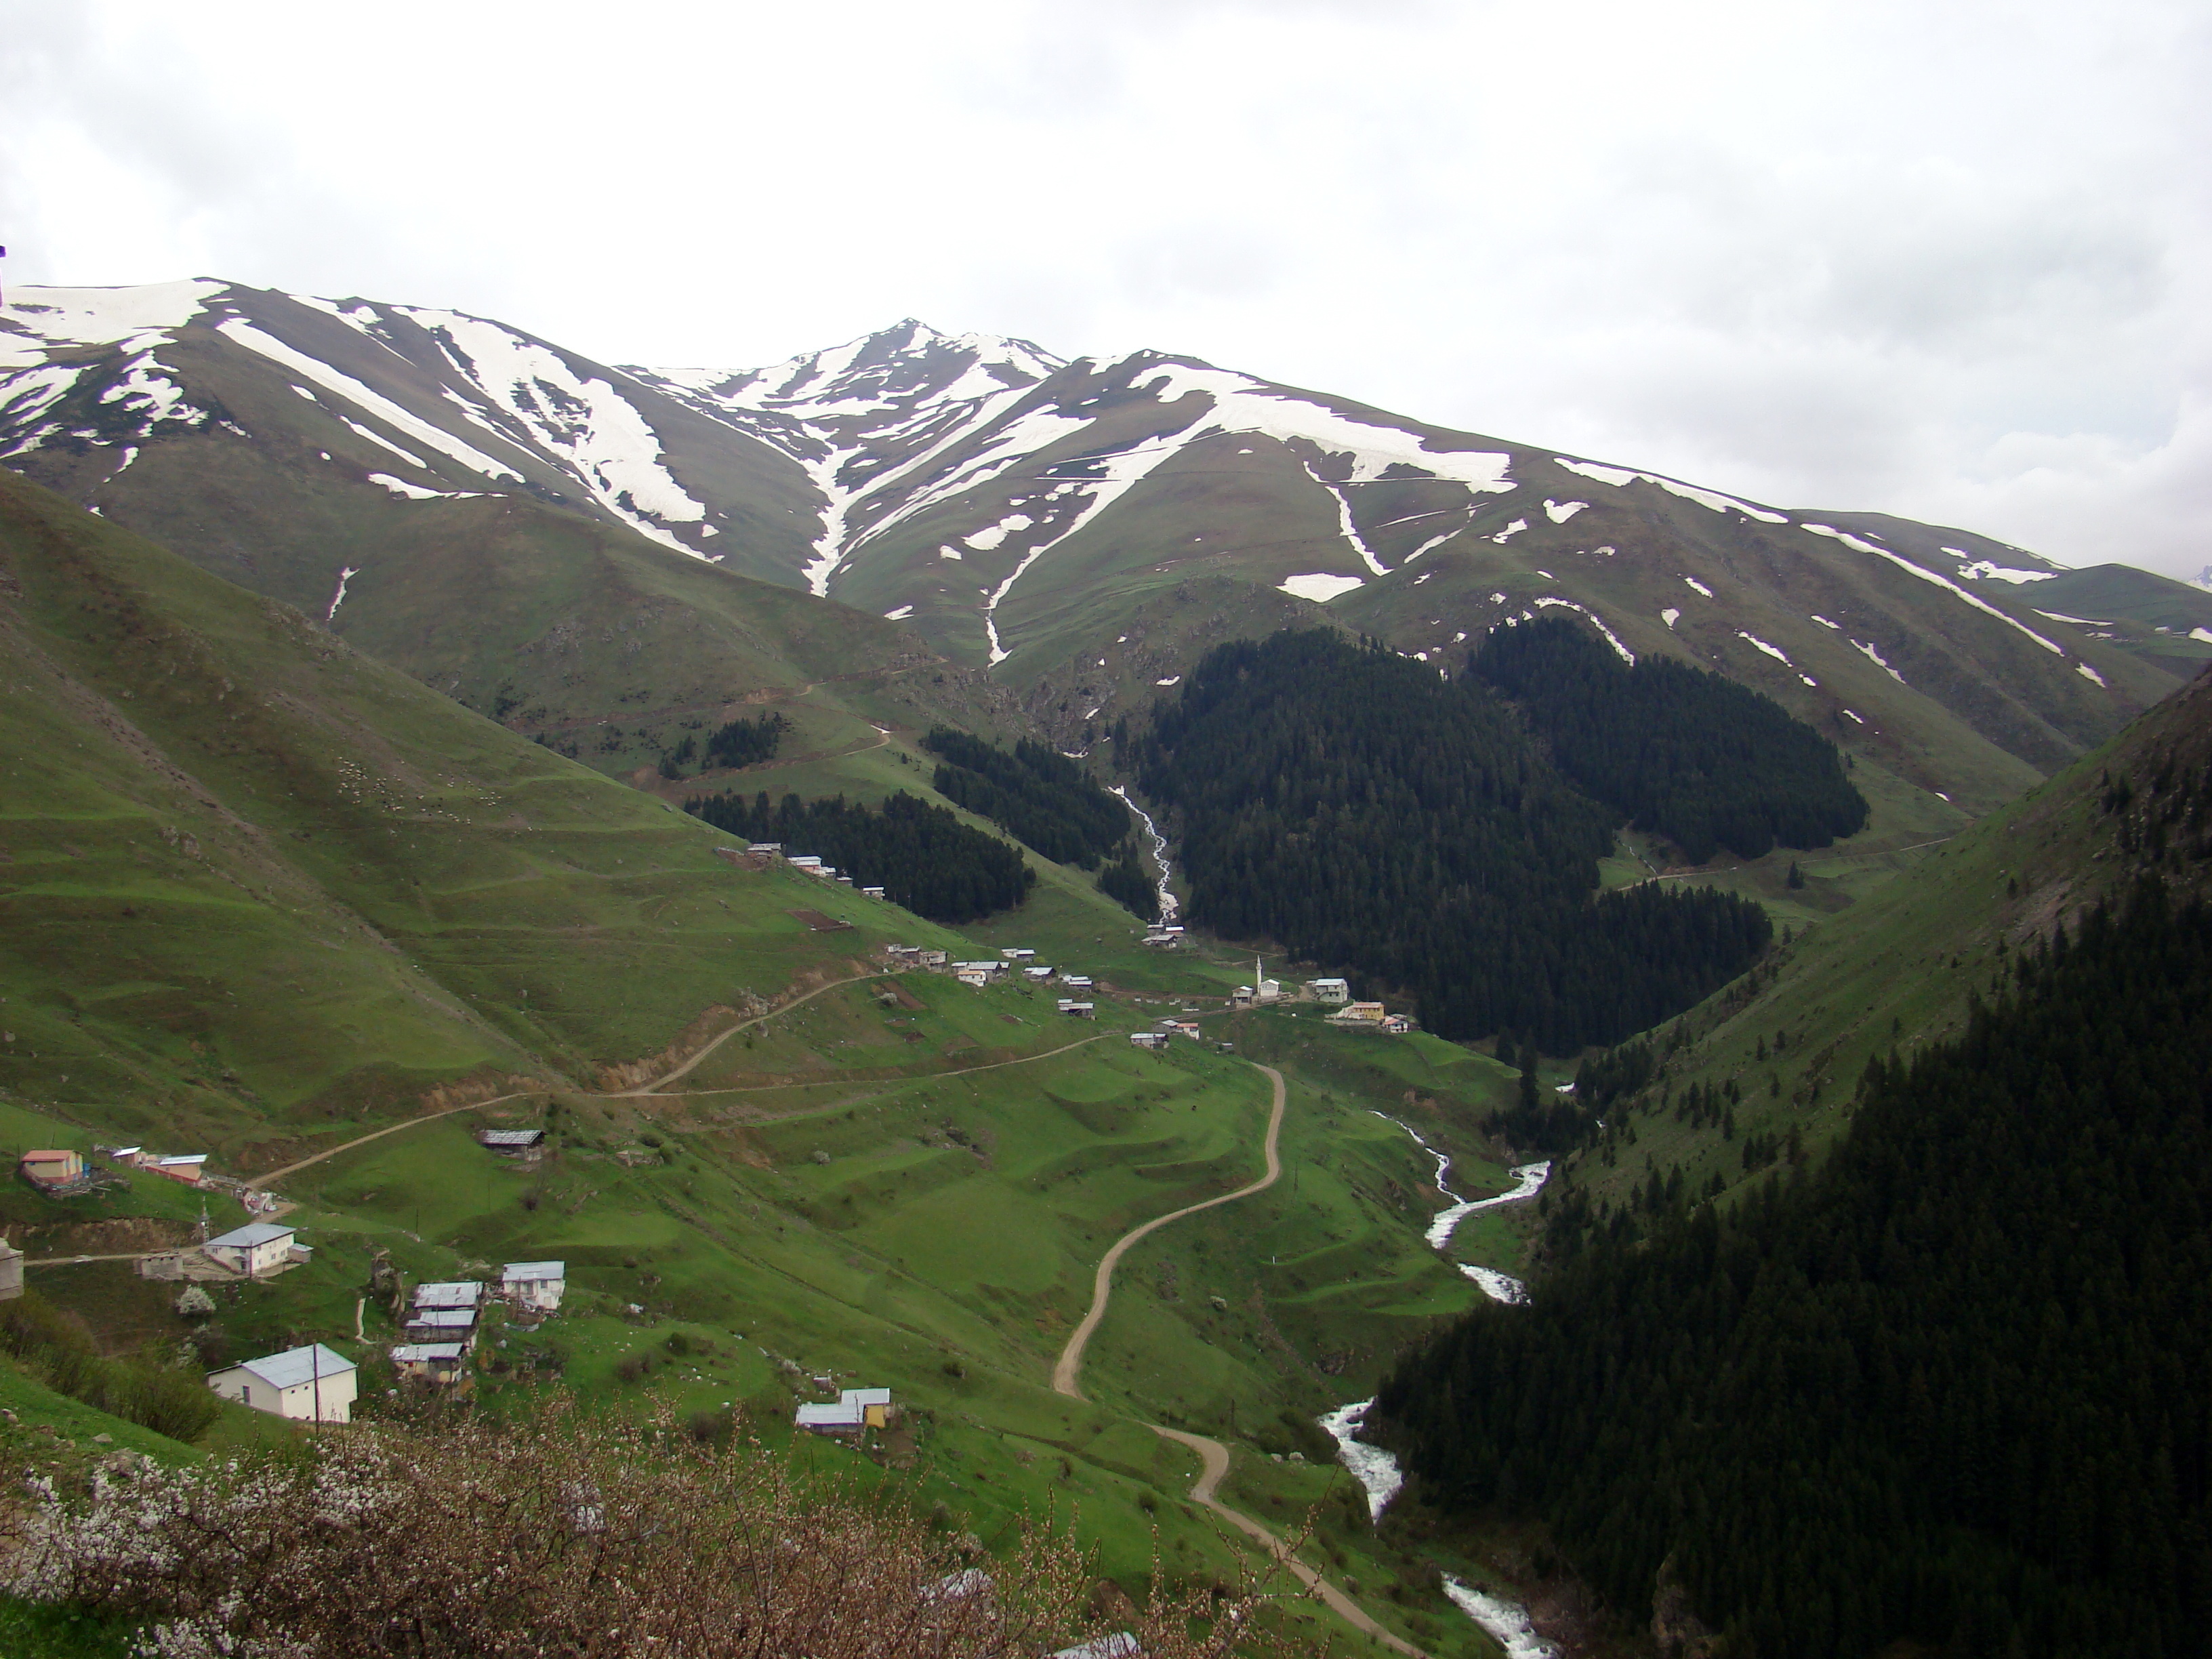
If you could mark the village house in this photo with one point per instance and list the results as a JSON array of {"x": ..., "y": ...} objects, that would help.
[
  {"x": 871, "y": 892},
  {"x": 536, "y": 1285},
  {"x": 1149, "y": 1039},
  {"x": 1076, "y": 981},
  {"x": 931, "y": 958},
  {"x": 1334, "y": 991},
  {"x": 1076, "y": 1009},
  {"x": 186, "y": 1167},
  {"x": 973, "y": 977},
  {"x": 449, "y": 1293},
  {"x": 52, "y": 1169},
  {"x": 255, "y": 1250},
  {"x": 1362, "y": 1015},
  {"x": 434, "y": 1361},
  {"x": 1017, "y": 953},
  {"x": 511, "y": 1143},
  {"x": 857, "y": 1411},
  {"x": 308, "y": 1385},
  {"x": 1037, "y": 975},
  {"x": 765, "y": 848},
  {"x": 1242, "y": 997},
  {"x": 442, "y": 1325}
]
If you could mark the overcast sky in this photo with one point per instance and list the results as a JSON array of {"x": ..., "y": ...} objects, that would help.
[{"x": 1950, "y": 261}]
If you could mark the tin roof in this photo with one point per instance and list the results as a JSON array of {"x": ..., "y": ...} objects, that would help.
[
  {"x": 450, "y": 1293},
  {"x": 518, "y": 1270},
  {"x": 510, "y": 1137},
  {"x": 253, "y": 1233},
  {"x": 443, "y": 1319},
  {"x": 421, "y": 1353},
  {"x": 294, "y": 1366},
  {"x": 844, "y": 1415}
]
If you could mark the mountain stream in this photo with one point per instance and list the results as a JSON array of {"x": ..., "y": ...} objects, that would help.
[
  {"x": 1377, "y": 1471},
  {"x": 1160, "y": 855}
]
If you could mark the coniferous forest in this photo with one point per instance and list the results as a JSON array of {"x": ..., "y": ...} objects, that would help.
[
  {"x": 1128, "y": 883},
  {"x": 746, "y": 742},
  {"x": 1351, "y": 804},
  {"x": 1042, "y": 799},
  {"x": 1699, "y": 759},
  {"x": 1956, "y": 1387},
  {"x": 922, "y": 856}
]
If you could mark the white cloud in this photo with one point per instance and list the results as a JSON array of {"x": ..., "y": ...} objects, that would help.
[{"x": 1939, "y": 261}]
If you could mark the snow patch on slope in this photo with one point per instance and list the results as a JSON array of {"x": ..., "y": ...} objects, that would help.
[
  {"x": 1617, "y": 477},
  {"x": 245, "y": 334},
  {"x": 1943, "y": 582},
  {"x": 1319, "y": 586},
  {"x": 598, "y": 434}
]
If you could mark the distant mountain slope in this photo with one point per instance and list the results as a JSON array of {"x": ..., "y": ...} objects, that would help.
[
  {"x": 253, "y": 880},
  {"x": 469, "y": 503},
  {"x": 1083, "y": 529}
]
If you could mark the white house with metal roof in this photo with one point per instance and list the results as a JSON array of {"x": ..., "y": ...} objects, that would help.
[
  {"x": 256, "y": 1249},
  {"x": 535, "y": 1285},
  {"x": 857, "y": 1410},
  {"x": 313, "y": 1385}
]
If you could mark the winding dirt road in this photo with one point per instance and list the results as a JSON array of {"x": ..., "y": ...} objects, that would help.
[{"x": 1212, "y": 1455}]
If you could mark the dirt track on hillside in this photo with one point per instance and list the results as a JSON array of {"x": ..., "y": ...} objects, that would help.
[{"x": 1212, "y": 1455}]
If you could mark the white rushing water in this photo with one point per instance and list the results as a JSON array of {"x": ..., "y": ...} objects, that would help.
[
  {"x": 1167, "y": 906},
  {"x": 1498, "y": 1286},
  {"x": 1529, "y": 1180},
  {"x": 1375, "y": 1470},
  {"x": 1505, "y": 1622}
]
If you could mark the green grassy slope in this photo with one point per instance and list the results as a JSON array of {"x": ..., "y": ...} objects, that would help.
[
  {"x": 258, "y": 882},
  {"x": 1898, "y": 968}
]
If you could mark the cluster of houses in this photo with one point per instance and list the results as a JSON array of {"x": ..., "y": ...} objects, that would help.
[
  {"x": 759, "y": 855},
  {"x": 1334, "y": 994},
  {"x": 61, "y": 1173},
  {"x": 316, "y": 1384},
  {"x": 441, "y": 1326}
]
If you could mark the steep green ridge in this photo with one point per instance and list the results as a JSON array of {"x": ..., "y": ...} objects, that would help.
[
  {"x": 1348, "y": 802},
  {"x": 1897, "y": 968},
  {"x": 1966, "y": 1366},
  {"x": 257, "y": 882}
]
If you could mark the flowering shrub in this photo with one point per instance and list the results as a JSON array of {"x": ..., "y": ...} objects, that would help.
[{"x": 571, "y": 1538}]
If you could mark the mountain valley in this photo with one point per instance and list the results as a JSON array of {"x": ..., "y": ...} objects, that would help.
[{"x": 396, "y": 706}]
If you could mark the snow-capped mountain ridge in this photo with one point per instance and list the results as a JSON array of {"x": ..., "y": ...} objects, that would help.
[{"x": 1027, "y": 511}]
